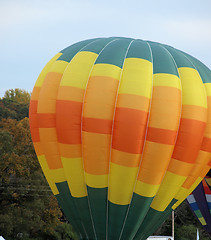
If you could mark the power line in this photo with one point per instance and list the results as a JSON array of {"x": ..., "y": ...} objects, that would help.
[
  {"x": 22, "y": 194},
  {"x": 28, "y": 189}
]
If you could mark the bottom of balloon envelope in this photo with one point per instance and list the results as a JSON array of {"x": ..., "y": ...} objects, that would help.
[{"x": 121, "y": 130}]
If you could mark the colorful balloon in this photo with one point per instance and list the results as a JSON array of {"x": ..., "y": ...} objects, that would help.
[
  {"x": 200, "y": 203},
  {"x": 121, "y": 128}
]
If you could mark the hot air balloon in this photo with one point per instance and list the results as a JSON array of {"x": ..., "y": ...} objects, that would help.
[
  {"x": 200, "y": 203},
  {"x": 121, "y": 128}
]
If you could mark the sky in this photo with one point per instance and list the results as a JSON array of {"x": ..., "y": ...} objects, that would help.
[{"x": 32, "y": 32}]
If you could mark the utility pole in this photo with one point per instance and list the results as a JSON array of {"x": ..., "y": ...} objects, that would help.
[{"x": 172, "y": 224}]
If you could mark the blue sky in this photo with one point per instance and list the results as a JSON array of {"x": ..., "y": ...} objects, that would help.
[{"x": 33, "y": 31}]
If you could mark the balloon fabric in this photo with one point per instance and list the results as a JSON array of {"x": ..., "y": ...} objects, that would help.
[{"x": 121, "y": 128}]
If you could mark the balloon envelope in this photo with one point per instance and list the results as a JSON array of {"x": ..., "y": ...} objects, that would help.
[
  {"x": 200, "y": 203},
  {"x": 121, "y": 128}
]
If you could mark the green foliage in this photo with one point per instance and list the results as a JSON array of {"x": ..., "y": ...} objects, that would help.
[
  {"x": 28, "y": 209},
  {"x": 187, "y": 232},
  {"x": 15, "y": 104},
  {"x": 17, "y": 95},
  {"x": 6, "y": 142},
  {"x": 185, "y": 225}
]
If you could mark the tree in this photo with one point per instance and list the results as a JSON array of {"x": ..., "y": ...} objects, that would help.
[
  {"x": 15, "y": 104},
  {"x": 18, "y": 95},
  {"x": 185, "y": 225},
  {"x": 28, "y": 209}
]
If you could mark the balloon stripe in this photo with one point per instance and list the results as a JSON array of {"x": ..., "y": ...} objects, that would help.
[
  {"x": 34, "y": 121},
  {"x": 133, "y": 101},
  {"x": 166, "y": 107},
  {"x": 48, "y": 93},
  {"x": 46, "y": 120},
  {"x": 75, "y": 78},
  {"x": 162, "y": 61},
  {"x": 99, "y": 44},
  {"x": 135, "y": 77},
  {"x": 156, "y": 159},
  {"x": 39, "y": 83},
  {"x": 203, "y": 162},
  {"x": 97, "y": 125},
  {"x": 75, "y": 222},
  {"x": 136, "y": 80},
  {"x": 47, "y": 104},
  {"x": 73, "y": 75},
  {"x": 75, "y": 177},
  {"x": 112, "y": 230},
  {"x": 123, "y": 176},
  {"x": 192, "y": 84},
  {"x": 203, "y": 157},
  {"x": 100, "y": 96},
  {"x": 35, "y": 94},
  {"x": 96, "y": 152},
  {"x": 68, "y": 121},
  {"x": 189, "y": 140},
  {"x": 69, "y": 93},
  {"x": 139, "y": 50},
  {"x": 59, "y": 66},
  {"x": 179, "y": 167},
  {"x": 82, "y": 204},
  {"x": 71, "y": 51},
  {"x": 97, "y": 199},
  {"x": 208, "y": 89},
  {"x": 203, "y": 70},
  {"x": 71, "y": 111},
  {"x": 70, "y": 150},
  {"x": 162, "y": 199},
  {"x": 148, "y": 226},
  {"x": 106, "y": 71},
  {"x": 182, "y": 194},
  {"x": 198, "y": 170},
  {"x": 129, "y": 130},
  {"x": 163, "y": 136},
  {"x": 71, "y": 164},
  {"x": 187, "y": 128},
  {"x": 125, "y": 158},
  {"x": 117, "y": 51},
  {"x": 153, "y": 167},
  {"x": 207, "y": 133},
  {"x": 69, "y": 203},
  {"x": 170, "y": 81},
  {"x": 135, "y": 215},
  {"x": 39, "y": 148},
  {"x": 96, "y": 181},
  {"x": 194, "y": 112},
  {"x": 103, "y": 84}
]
